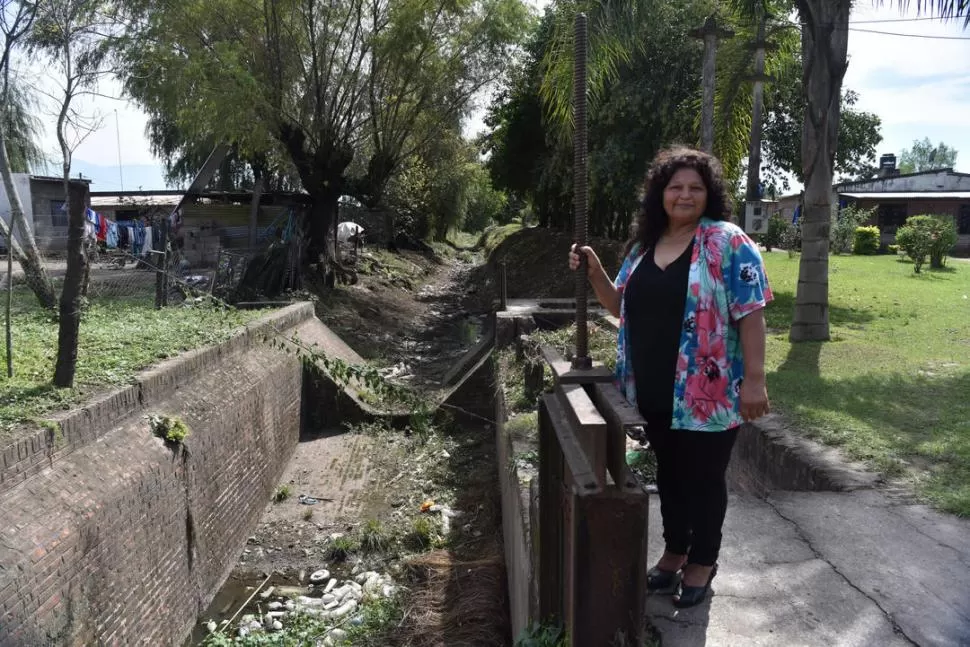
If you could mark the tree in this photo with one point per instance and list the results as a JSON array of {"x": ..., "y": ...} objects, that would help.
[
  {"x": 16, "y": 21},
  {"x": 924, "y": 156},
  {"x": 635, "y": 112},
  {"x": 74, "y": 35},
  {"x": 342, "y": 91},
  {"x": 825, "y": 33},
  {"x": 859, "y": 136}
]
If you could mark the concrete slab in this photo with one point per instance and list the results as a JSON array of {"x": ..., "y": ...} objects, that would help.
[
  {"x": 912, "y": 562},
  {"x": 785, "y": 577}
]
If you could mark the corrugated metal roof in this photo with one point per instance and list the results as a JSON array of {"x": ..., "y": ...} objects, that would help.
[
  {"x": 134, "y": 202},
  {"x": 911, "y": 195}
]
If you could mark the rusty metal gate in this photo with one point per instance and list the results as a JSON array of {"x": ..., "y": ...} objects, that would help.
[{"x": 592, "y": 512}]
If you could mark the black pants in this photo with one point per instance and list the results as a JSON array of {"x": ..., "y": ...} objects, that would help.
[{"x": 693, "y": 492}]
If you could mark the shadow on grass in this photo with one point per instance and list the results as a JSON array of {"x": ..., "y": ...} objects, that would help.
[
  {"x": 779, "y": 312},
  {"x": 921, "y": 420}
]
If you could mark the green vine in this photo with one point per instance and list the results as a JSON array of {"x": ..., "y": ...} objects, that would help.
[{"x": 367, "y": 380}]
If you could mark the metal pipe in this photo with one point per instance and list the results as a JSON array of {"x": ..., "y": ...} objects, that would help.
[{"x": 581, "y": 358}]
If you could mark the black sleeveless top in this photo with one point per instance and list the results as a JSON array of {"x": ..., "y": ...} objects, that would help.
[{"x": 655, "y": 301}]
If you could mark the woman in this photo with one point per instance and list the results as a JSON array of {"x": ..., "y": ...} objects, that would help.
[{"x": 690, "y": 295}]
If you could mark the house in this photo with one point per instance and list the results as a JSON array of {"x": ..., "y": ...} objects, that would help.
[
  {"x": 207, "y": 223},
  {"x": 43, "y": 200},
  {"x": 895, "y": 197}
]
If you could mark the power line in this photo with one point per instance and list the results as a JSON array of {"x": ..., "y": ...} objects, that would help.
[
  {"x": 883, "y": 20},
  {"x": 890, "y": 33}
]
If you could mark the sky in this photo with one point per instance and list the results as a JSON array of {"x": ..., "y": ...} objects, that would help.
[{"x": 919, "y": 87}]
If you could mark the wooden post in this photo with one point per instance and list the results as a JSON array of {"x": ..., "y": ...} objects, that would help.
[
  {"x": 710, "y": 33},
  {"x": 753, "y": 190},
  {"x": 161, "y": 269},
  {"x": 254, "y": 212}
]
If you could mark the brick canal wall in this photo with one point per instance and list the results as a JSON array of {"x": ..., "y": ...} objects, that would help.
[{"x": 111, "y": 537}]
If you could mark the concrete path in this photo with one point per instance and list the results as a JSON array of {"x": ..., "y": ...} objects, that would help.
[{"x": 827, "y": 569}]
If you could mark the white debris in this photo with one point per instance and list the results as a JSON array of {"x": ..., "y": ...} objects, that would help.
[
  {"x": 319, "y": 576},
  {"x": 338, "y": 634},
  {"x": 347, "y": 607}
]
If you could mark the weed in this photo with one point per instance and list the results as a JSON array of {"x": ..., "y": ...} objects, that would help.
[
  {"x": 378, "y": 618},
  {"x": 523, "y": 425},
  {"x": 374, "y": 537},
  {"x": 340, "y": 548},
  {"x": 170, "y": 428},
  {"x": 537, "y": 635},
  {"x": 282, "y": 493},
  {"x": 423, "y": 535},
  {"x": 308, "y": 514}
]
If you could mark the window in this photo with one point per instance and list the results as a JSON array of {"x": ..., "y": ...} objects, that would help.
[
  {"x": 58, "y": 214},
  {"x": 963, "y": 220},
  {"x": 891, "y": 216}
]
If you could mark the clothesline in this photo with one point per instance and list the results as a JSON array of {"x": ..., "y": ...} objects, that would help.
[{"x": 134, "y": 235}]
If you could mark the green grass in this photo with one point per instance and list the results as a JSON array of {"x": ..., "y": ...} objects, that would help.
[
  {"x": 118, "y": 337},
  {"x": 892, "y": 388},
  {"x": 493, "y": 236}
]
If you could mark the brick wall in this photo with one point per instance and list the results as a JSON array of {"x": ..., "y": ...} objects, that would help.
[{"x": 119, "y": 539}]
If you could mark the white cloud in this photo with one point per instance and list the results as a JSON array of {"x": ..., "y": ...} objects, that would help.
[{"x": 919, "y": 87}]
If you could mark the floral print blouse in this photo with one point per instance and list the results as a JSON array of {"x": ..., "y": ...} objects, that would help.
[{"x": 726, "y": 282}]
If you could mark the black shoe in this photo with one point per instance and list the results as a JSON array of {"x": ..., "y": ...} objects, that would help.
[
  {"x": 658, "y": 579},
  {"x": 689, "y": 596}
]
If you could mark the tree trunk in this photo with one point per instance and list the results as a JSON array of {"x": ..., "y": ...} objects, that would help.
[
  {"x": 321, "y": 173},
  {"x": 757, "y": 117},
  {"x": 824, "y": 49},
  {"x": 26, "y": 254},
  {"x": 70, "y": 307},
  {"x": 323, "y": 215}
]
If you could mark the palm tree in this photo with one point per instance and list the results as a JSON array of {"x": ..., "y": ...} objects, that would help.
[{"x": 825, "y": 38}]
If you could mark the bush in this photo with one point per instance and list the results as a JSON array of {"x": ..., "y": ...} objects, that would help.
[
  {"x": 865, "y": 240},
  {"x": 943, "y": 234},
  {"x": 776, "y": 232},
  {"x": 791, "y": 238},
  {"x": 893, "y": 249},
  {"x": 843, "y": 231},
  {"x": 916, "y": 242},
  {"x": 927, "y": 235}
]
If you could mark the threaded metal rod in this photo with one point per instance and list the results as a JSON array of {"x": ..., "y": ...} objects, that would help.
[{"x": 581, "y": 358}]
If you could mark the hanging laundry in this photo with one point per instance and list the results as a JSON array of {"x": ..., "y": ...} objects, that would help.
[
  {"x": 148, "y": 241},
  {"x": 112, "y": 238},
  {"x": 138, "y": 240},
  {"x": 102, "y": 228}
]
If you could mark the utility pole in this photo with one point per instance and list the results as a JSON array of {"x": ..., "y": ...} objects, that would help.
[
  {"x": 710, "y": 33},
  {"x": 753, "y": 191}
]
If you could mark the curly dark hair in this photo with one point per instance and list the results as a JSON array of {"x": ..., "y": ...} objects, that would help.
[{"x": 652, "y": 220}]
